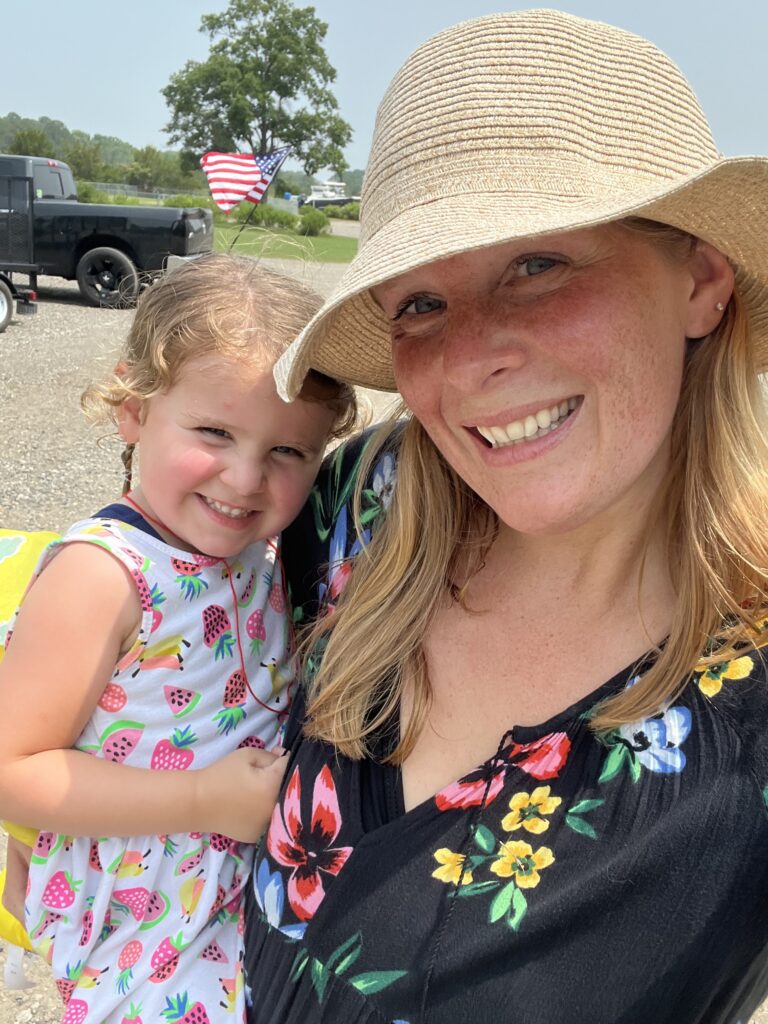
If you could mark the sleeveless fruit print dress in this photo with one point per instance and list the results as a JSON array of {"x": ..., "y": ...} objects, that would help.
[{"x": 149, "y": 928}]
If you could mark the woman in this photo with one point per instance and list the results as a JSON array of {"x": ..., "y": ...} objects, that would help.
[{"x": 529, "y": 781}]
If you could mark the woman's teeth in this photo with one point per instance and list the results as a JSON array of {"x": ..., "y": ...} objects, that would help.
[
  {"x": 227, "y": 510},
  {"x": 528, "y": 429}
]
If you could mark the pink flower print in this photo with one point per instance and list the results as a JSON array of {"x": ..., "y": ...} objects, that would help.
[
  {"x": 470, "y": 790},
  {"x": 309, "y": 851},
  {"x": 544, "y": 758}
]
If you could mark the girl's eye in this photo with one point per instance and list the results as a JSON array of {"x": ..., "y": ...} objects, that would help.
[
  {"x": 284, "y": 449},
  {"x": 532, "y": 266},
  {"x": 214, "y": 431},
  {"x": 418, "y": 304}
]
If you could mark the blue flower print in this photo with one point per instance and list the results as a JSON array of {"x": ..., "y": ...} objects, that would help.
[
  {"x": 339, "y": 560},
  {"x": 384, "y": 478},
  {"x": 656, "y": 741},
  {"x": 270, "y": 896}
]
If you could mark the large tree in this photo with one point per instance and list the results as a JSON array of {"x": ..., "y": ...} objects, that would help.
[{"x": 265, "y": 84}]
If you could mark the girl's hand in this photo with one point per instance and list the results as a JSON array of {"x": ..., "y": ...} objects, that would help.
[{"x": 235, "y": 796}]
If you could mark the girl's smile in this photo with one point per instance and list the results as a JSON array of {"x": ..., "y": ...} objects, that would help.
[{"x": 224, "y": 461}]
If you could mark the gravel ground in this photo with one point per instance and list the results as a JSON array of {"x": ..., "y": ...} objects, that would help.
[{"x": 55, "y": 469}]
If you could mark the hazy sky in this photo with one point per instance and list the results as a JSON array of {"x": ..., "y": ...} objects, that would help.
[{"x": 100, "y": 67}]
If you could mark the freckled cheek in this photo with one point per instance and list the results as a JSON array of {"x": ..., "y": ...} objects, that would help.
[{"x": 417, "y": 373}]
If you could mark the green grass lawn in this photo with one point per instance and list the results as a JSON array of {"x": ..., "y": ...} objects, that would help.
[{"x": 285, "y": 245}]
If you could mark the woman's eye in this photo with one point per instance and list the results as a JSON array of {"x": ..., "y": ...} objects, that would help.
[
  {"x": 418, "y": 304},
  {"x": 531, "y": 266}
]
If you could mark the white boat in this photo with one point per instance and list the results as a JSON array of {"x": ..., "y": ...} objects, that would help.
[{"x": 329, "y": 193}]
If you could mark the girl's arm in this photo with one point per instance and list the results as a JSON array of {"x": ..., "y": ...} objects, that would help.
[{"x": 76, "y": 618}]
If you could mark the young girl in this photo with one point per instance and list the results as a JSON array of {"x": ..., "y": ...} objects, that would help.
[{"x": 152, "y": 643}]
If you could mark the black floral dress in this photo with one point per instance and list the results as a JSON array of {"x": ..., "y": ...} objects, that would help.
[{"x": 567, "y": 879}]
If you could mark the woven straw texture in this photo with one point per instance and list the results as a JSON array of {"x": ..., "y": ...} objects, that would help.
[{"x": 517, "y": 125}]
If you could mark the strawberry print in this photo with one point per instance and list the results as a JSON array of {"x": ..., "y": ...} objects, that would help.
[
  {"x": 255, "y": 631},
  {"x": 174, "y": 753},
  {"x": 113, "y": 698},
  {"x": 76, "y": 1012},
  {"x": 60, "y": 891},
  {"x": 277, "y": 598}
]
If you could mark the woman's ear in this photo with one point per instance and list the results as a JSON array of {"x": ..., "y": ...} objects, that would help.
[{"x": 712, "y": 289}]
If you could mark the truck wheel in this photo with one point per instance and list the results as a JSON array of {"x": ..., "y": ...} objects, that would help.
[
  {"x": 107, "y": 277},
  {"x": 6, "y": 306}
]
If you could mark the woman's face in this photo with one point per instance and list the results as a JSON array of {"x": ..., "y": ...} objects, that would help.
[{"x": 547, "y": 371}]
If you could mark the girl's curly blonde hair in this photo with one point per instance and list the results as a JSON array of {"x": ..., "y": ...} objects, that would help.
[{"x": 218, "y": 304}]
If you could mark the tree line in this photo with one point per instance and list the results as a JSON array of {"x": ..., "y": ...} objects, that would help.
[{"x": 266, "y": 84}]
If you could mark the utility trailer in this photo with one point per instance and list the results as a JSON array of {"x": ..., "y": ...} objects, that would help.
[{"x": 17, "y": 246}]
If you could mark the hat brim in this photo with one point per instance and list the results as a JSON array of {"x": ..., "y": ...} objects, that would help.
[{"x": 726, "y": 205}]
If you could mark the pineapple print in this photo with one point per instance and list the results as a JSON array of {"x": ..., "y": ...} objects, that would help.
[{"x": 189, "y": 578}]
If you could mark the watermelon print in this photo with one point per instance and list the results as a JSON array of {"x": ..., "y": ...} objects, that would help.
[{"x": 146, "y": 928}]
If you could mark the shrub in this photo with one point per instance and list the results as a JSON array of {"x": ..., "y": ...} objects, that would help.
[
  {"x": 186, "y": 201},
  {"x": 312, "y": 222},
  {"x": 266, "y": 216},
  {"x": 349, "y": 211},
  {"x": 86, "y": 193}
]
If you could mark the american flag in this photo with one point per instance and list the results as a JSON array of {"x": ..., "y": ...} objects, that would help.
[{"x": 234, "y": 177}]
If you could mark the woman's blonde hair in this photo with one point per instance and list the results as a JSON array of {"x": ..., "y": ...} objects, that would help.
[
  {"x": 714, "y": 503},
  {"x": 217, "y": 304}
]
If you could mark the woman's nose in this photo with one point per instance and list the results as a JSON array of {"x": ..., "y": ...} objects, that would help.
[{"x": 482, "y": 346}]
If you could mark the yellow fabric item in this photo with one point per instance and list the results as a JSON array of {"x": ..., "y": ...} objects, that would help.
[
  {"x": 11, "y": 930},
  {"x": 25, "y": 835},
  {"x": 19, "y": 553}
]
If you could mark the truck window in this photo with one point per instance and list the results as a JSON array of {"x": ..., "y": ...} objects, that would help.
[{"x": 48, "y": 183}]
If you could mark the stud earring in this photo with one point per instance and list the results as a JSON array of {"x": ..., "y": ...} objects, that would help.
[
  {"x": 127, "y": 460},
  {"x": 719, "y": 307}
]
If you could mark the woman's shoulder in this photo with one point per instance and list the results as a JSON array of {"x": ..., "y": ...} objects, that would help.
[
  {"x": 734, "y": 694},
  {"x": 324, "y": 538}
]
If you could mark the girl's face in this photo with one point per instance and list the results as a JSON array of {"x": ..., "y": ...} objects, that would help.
[
  {"x": 547, "y": 371},
  {"x": 224, "y": 462}
]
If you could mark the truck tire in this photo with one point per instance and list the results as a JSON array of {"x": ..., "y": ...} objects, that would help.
[
  {"x": 107, "y": 277},
  {"x": 6, "y": 305}
]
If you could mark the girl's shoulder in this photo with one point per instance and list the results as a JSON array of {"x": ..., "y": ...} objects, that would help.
[{"x": 122, "y": 541}]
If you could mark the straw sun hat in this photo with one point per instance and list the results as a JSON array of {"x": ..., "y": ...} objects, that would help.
[{"x": 520, "y": 124}]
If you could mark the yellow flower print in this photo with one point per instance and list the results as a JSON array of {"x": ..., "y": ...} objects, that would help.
[
  {"x": 528, "y": 811},
  {"x": 452, "y": 863},
  {"x": 518, "y": 859},
  {"x": 712, "y": 676}
]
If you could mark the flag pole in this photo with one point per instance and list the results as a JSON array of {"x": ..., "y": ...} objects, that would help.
[{"x": 242, "y": 226}]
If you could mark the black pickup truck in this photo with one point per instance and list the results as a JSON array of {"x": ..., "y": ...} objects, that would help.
[{"x": 110, "y": 250}]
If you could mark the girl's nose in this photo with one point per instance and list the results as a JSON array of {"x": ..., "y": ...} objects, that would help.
[
  {"x": 482, "y": 346},
  {"x": 244, "y": 476}
]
